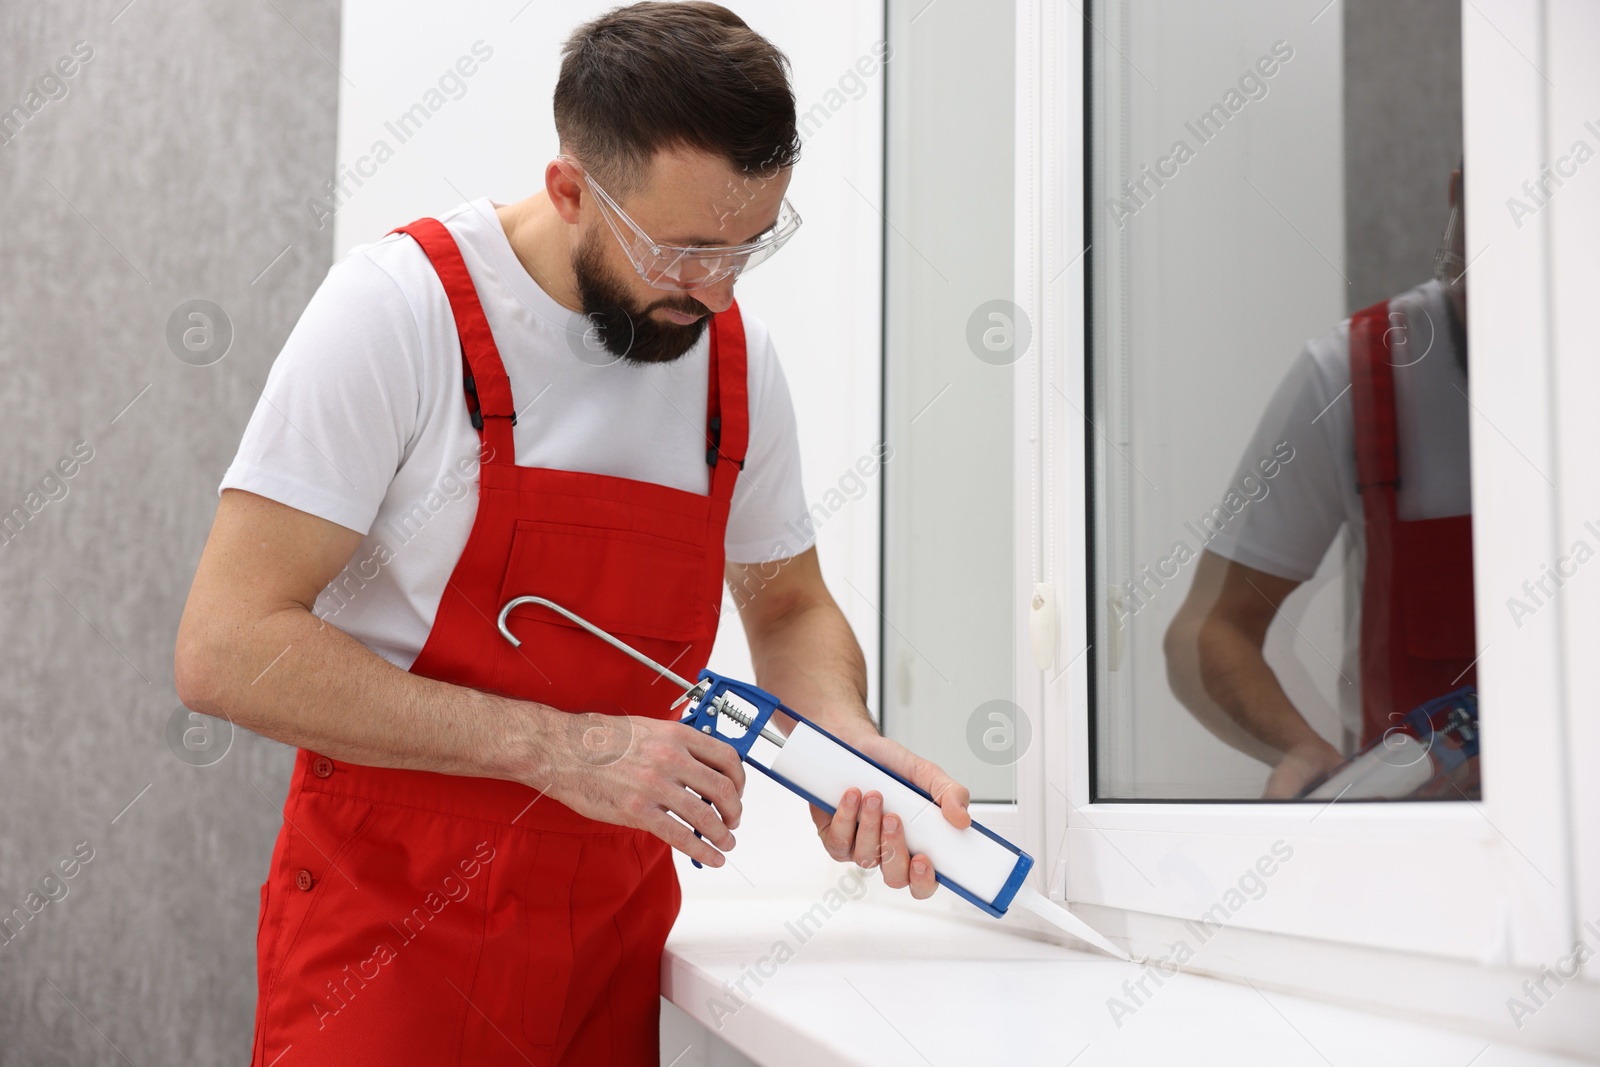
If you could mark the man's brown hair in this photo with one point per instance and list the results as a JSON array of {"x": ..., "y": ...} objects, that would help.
[{"x": 655, "y": 76}]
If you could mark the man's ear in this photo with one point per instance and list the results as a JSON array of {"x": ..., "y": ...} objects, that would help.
[{"x": 564, "y": 186}]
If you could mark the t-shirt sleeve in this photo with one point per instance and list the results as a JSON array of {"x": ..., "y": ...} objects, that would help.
[
  {"x": 767, "y": 516},
  {"x": 340, "y": 403},
  {"x": 1287, "y": 485}
]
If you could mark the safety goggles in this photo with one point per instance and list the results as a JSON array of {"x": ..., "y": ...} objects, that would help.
[
  {"x": 1450, "y": 260},
  {"x": 681, "y": 267}
]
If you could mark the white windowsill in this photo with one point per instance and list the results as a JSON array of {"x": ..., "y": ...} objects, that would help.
[{"x": 879, "y": 983}]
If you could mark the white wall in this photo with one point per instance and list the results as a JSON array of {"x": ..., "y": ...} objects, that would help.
[{"x": 820, "y": 296}]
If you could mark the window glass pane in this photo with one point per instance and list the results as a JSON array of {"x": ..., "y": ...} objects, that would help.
[
  {"x": 948, "y": 501},
  {"x": 1281, "y": 493}
]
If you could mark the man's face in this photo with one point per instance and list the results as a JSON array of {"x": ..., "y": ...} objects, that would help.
[{"x": 688, "y": 198}]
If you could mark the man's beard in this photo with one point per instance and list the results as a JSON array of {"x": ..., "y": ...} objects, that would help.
[{"x": 626, "y": 331}]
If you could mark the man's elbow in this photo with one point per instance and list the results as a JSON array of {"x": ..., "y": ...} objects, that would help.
[
  {"x": 1178, "y": 638},
  {"x": 779, "y": 603},
  {"x": 1181, "y": 644},
  {"x": 1201, "y": 649},
  {"x": 196, "y": 669}
]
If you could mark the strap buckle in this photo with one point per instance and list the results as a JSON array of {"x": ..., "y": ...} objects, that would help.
[
  {"x": 714, "y": 449},
  {"x": 472, "y": 404}
]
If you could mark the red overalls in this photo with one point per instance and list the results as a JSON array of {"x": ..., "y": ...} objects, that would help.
[
  {"x": 1417, "y": 633},
  {"x": 411, "y": 917}
]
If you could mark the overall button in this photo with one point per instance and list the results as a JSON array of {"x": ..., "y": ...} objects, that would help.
[
  {"x": 322, "y": 766},
  {"x": 303, "y": 880}
]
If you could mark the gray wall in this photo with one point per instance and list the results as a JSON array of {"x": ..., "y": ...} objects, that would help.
[
  {"x": 1402, "y": 137},
  {"x": 176, "y": 166}
]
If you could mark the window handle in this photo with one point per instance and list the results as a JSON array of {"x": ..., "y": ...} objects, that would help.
[{"x": 1043, "y": 627}]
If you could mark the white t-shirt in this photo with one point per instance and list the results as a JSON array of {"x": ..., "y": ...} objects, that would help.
[
  {"x": 1288, "y": 531},
  {"x": 363, "y": 422},
  {"x": 1314, "y": 494}
]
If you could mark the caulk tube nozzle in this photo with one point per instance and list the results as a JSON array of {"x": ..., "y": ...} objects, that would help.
[{"x": 1058, "y": 915}]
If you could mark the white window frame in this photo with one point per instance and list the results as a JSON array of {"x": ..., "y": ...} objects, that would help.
[{"x": 1487, "y": 883}]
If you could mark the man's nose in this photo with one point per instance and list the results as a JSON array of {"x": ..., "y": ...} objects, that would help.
[{"x": 717, "y": 297}]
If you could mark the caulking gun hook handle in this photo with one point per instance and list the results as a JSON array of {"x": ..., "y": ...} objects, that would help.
[{"x": 626, "y": 649}]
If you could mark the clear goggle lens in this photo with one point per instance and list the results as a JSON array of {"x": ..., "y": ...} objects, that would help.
[
  {"x": 667, "y": 266},
  {"x": 683, "y": 268},
  {"x": 1449, "y": 260}
]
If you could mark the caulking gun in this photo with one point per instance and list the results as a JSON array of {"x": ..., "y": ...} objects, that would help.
[{"x": 975, "y": 863}]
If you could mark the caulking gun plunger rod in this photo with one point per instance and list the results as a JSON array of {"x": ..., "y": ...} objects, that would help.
[{"x": 723, "y": 707}]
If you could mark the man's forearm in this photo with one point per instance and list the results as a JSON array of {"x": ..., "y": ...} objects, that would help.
[
  {"x": 295, "y": 678},
  {"x": 1184, "y": 676},
  {"x": 1238, "y": 678},
  {"x": 811, "y": 660}
]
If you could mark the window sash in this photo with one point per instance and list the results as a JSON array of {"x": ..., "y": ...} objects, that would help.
[{"x": 1474, "y": 880}]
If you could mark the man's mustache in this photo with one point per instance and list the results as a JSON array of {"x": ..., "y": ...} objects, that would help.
[{"x": 691, "y": 308}]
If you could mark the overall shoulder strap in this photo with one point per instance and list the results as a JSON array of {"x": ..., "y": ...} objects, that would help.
[
  {"x": 488, "y": 389},
  {"x": 1377, "y": 478},
  {"x": 1372, "y": 396},
  {"x": 727, "y": 402}
]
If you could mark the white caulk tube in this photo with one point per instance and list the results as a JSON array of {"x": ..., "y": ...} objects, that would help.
[
  {"x": 971, "y": 861},
  {"x": 821, "y": 766},
  {"x": 1390, "y": 770}
]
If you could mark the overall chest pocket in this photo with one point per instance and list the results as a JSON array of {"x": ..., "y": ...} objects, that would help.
[{"x": 650, "y": 591}]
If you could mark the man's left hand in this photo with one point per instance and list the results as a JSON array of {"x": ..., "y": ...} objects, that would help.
[{"x": 860, "y": 831}]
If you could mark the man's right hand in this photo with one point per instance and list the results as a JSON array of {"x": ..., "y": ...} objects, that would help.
[
  {"x": 635, "y": 771},
  {"x": 1299, "y": 767}
]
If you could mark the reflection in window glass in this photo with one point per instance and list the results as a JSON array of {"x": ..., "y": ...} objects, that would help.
[{"x": 1281, "y": 492}]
